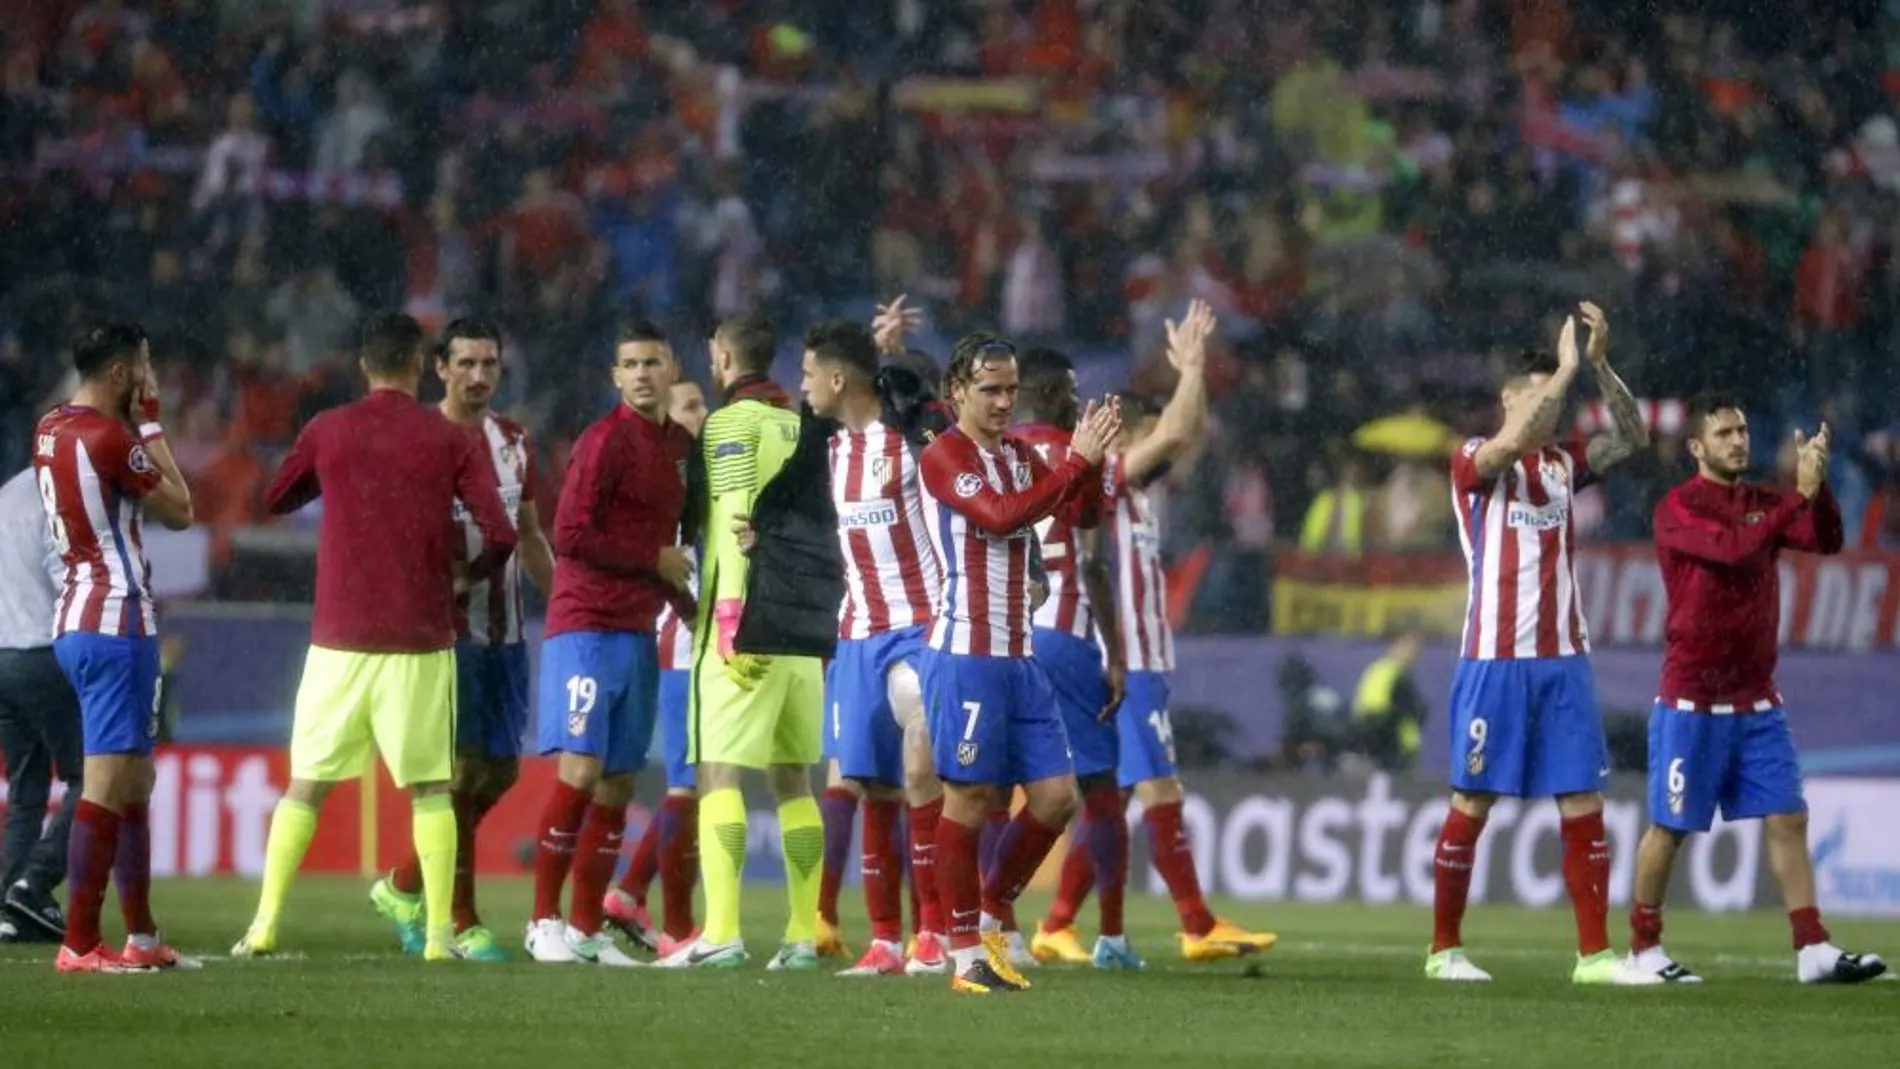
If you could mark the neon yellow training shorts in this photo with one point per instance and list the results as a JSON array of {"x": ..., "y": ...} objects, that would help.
[
  {"x": 781, "y": 721},
  {"x": 400, "y": 704}
]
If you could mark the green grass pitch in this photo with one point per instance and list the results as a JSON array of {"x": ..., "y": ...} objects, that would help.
[{"x": 1343, "y": 988}]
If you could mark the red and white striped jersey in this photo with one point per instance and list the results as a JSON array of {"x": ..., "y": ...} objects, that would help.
[
  {"x": 1067, "y": 608},
  {"x": 490, "y": 614},
  {"x": 675, "y": 636},
  {"x": 981, "y": 506},
  {"x": 92, "y": 472},
  {"x": 1520, "y": 549},
  {"x": 1141, "y": 584},
  {"x": 892, "y": 579}
]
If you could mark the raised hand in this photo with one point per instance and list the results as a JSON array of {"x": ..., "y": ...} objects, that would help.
[
  {"x": 1567, "y": 345},
  {"x": 1101, "y": 422},
  {"x": 1811, "y": 461},
  {"x": 1187, "y": 340},
  {"x": 1599, "y": 326},
  {"x": 892, "y": 322}
]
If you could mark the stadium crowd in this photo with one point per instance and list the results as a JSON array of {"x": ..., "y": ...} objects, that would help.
[{"x": 1375, "y": 197}]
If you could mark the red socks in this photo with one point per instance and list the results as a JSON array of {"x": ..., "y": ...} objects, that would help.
[
  {"x": 923, "y": 865},
  {"x": 645, "y": 864},
  {"x": 595, "y": 855},
  {"x": 1646, "y": 925},
  {"x": 1587, "y": 875},
  {"x": 407, "y": 877},
  {"x": 1024, "y": 845},
  {"x": 1808, "y": 929},
  {"x": 1078, "y": 879},
  {"x": 959, "y": 888},
  {"x": 679, "y": 862},
  {"x": 554, "y": 853},
  {"x": 883, "y": 870},
  {"x": 468, "y": 816},
  {"x": 132, "y": 870},
  {"x": 838, "y": 809},
  {"x": 1168, "y": 843},
  {"x": 89, "y": 854},
  {"x": 1451, "y": 877}
]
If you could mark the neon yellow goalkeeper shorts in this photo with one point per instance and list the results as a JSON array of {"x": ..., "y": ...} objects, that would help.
[
  {"x": 351, "y": 705},
  {"x": 780, "y": 721}
]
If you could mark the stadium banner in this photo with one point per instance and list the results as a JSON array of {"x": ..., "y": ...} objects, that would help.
[
  {"x": 1367, "y": 596},
  {"x": 236, "y": 681},
  {"x": 1255, "y": 838},
  {"x": 1848, "y": 603}
]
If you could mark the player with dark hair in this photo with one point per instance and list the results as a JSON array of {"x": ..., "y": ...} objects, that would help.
[
  {"x": 618, "y": 560},
  {"x": 1524, "y": 715},
  {"x": 1140, "y": 638},
  {"x": 1078, "y": 648},
  {"x": 993, "y": 722},
  {"x": 380, "y": 675},
  {"x": 1718, "y": 735},
  {"x": 771, "y": 584},
  {"x": 876, "y": 735},
  {"x": 491, "y": 650},
  {"x": 669, "y": 847},
  {"x": 103, "y": 465}
]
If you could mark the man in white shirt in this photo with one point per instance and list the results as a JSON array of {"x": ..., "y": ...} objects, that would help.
[{"x": 39, "y": 721}]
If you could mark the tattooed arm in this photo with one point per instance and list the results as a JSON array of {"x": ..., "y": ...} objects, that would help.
[{"x": 1631, "y": 431}]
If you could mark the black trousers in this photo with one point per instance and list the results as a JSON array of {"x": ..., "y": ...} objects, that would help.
[{"x": 40, "y": 736}]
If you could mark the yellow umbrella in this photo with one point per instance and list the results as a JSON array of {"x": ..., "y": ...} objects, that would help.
[{"x": 1406, "y": 435}]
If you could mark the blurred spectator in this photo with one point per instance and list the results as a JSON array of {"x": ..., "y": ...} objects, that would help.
[
  {"x": 1336, "y": 520},
  {"x": 1388, "y": 710},
  {"x": 1375, "y": 198}
]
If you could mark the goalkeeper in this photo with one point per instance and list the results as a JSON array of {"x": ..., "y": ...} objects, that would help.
[{"x": 771, "y": 581}]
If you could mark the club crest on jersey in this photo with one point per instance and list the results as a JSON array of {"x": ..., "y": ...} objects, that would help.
[
  {"x": 680, "y": 467},
  {"x": 1021, "y": 472},
  {"x": 881, "y": 471},
  {"x": 969, "y": 484},
  {"x": 577, "y": 724},
  {"x": 1753, "y": 518},
  {"x": 966, "y": 754},
  {"x": 511, "y": 457},
  {"x": 1474, "y": 763},
  {"x": 139, "y": 461}
]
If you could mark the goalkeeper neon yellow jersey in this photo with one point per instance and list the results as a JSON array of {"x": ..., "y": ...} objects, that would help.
[{"x": 744, "y": 444}]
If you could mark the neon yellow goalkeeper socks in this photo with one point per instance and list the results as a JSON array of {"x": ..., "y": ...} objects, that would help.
[
  {"x": 432, "y": 826},
  {"x": 722, "y": 862},
  {"x": 292, "y": 827},
  {"x": 801, "y": 832}
]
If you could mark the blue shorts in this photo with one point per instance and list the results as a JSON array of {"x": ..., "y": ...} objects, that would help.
[
  {"x": 1147, "y": 736},
  {"x": 861, "y": 730},
  {"x": 116, "y": 679},
  {"x": 1527, "y": 728},
  {"x": 1743, "y": 763},
  {"x": 491, "y": 698},
  {"x": 1073, "y": 668},
  {"x": 598, "y": 692},
  {"x": 992, "y": 720},
  {"x": 676, "y": 697}
]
